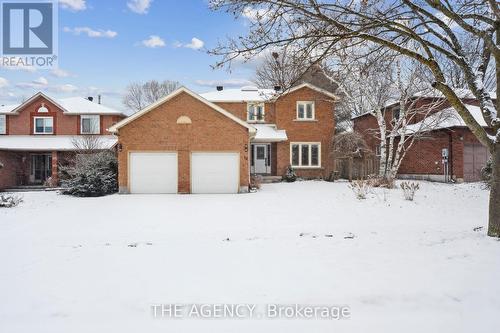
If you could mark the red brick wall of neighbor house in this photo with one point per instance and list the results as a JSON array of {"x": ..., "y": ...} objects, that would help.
[
  {"x": 209, "y": 131},
  {"x": 320, "y": 130},
  {"x": 22, "y": 123},
  {"x": 10, "y": 163}
]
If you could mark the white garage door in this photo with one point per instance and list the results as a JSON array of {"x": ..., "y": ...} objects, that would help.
[
  {"x": 152, "y": 172},
  {"x": 215, "y": 172}
]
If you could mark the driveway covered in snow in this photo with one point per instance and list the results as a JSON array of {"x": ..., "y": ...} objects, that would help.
[{"x": 99, "y": 264}]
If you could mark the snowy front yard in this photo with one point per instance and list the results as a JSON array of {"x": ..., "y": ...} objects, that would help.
[{"x": 98, "y": 264}]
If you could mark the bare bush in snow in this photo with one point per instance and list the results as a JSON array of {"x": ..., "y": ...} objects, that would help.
[
  {"x": 361, "y": 188},
  {"x": 409, "y": 190}
]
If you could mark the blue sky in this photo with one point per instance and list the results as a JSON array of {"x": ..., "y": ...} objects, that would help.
[{"x": 105, "y": 45}]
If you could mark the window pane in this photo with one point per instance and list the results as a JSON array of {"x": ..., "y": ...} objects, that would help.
[
  {"x": 261, "y": 153},
  {"x": 39, "y": 125},
  {"x": 260, "y": 114},
  {"x": 3, "y": 125},
  {"x": 251, "y": 112},
  {"x": 315, "y": 155},
  {"x": 295, "y": 155},
  {"x": 305, "y": 155},
  {"x": 86, "y": 125},
  {"x": 309, "y": 111},
  {"x": 48, "y": 125},
  {"x": 301, "y": 111}
]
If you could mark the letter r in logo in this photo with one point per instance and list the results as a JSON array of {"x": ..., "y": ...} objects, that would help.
[{"x": 27, "y": 28}]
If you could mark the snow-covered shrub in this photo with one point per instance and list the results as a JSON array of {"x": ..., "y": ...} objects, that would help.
[
  {"x": 290, "y": 176},
  {"x": 50, "y": 182},
  {"x": 91, "y": 175},
  {"x": 409, "y": 190},
  {"x": 361, "y": 188},
  {"x": 486, "y": 172},
  {"x": 10, "y": 200}
]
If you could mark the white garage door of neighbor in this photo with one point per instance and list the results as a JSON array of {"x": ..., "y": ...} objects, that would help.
[
  {"x": 152, "y": 172},
  {"x": 215, "y": 172}
]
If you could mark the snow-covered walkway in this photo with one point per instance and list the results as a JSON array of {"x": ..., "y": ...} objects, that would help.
[{"x": 98, "y": 264}]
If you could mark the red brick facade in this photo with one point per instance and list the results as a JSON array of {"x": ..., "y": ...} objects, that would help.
[
  {"x": 158, "y": 130},
  {"x": 283, "y": 113}
]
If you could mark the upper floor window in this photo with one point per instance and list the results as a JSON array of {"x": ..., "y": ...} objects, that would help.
[
  {"x": 3, "y": 124},
  {"x": 43, "y": 109},
  {"x": 305, "y": 154},
  {"x": 90, "y": 124},
  {"x": 44, "y": 125},
  {"x": 305, "y": 110},
  {"x": 396, "y": 114},
  {"x": 255, "y": 111}
]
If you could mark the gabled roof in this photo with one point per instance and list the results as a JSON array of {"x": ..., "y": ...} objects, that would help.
[
  {"x": 310, "y": 86},
  {"x": 254, "y": 94},
  {"x": 72, "y": 105},
  {"x": 217, "y": 108}
]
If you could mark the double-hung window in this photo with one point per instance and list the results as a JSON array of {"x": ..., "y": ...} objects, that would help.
[
  {"x": 90, "y": 124},
  {"x": 305, "y": 110},
  {"x": 43, "y": 125},
  {"x": 3, "y": 124},
  {"x": 255, "y": 111},
  {"x": 305, "y": 154}
]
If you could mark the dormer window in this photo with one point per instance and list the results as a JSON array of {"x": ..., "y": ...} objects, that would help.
[
  {"x": 43, "y": 109},
  {"x": 90, "y": 124},
  {"x": 255, "y": 112},
  {"x": 305, "y": 110}
]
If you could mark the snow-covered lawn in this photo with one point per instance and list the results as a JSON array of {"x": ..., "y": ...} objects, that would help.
[{"x": 98, "y": 264}]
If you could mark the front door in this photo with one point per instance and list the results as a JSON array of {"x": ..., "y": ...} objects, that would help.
[
  {"x": 261, "y": 158},
  {"x": 41, "y": 168}
]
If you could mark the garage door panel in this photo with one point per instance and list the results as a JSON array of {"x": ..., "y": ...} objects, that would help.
[
  {"x": 213, "y": 172},
  {"x": 152, "y": 172}
]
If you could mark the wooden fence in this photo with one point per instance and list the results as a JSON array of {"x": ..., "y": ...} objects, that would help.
[{"x": 357, "y": 168}]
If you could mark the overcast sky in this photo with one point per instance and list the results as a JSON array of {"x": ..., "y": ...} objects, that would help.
[{"x": 104, "y": 45}]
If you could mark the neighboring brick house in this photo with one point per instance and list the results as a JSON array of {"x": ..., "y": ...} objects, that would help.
[
  {"x": 213, "y": 142},
  {"x": 445, "y": 134},
  {"x": 36, "y": 135}
]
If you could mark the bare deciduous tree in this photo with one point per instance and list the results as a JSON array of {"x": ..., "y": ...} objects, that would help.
[
  {"x": 140, "y": 95},
  {"x": 426, "y": 31}
]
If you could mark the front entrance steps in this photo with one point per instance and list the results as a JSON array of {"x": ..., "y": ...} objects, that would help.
[{"x": 270, "y": 179}]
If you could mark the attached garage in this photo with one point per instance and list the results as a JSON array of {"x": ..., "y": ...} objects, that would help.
[
  {"x": 183, "y": 144},
  {"x": 475, "y": 157},
  {"x": 153, "y": 172},
  {"x": 215, "y": 172}
]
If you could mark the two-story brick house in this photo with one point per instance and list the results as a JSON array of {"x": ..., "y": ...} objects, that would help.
[
  {"x": 446, "y": 150},
  {"x": 38, "y": 133},
  {"x": 213, "y": 142}
]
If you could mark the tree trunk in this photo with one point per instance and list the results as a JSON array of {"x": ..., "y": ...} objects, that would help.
[{"x": 494, "y": 218}]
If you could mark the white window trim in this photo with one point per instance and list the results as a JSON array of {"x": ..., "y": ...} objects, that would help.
[
  {"x": 305, "y": 111},
  {"x": 263, "y": 112},
  {"x": 4, "y": 117},
  {"x": 300, "y": 166},
  {"x": 43, "y": 133},
  {"x": 90, "y": 116}
]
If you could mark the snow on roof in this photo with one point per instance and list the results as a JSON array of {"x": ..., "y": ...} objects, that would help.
[
  {"x": 269, "y": 133},
  {"x": 446, "y": 118},
  {"x": 244, "y": 94},
  {"x": 80, "y": 105},
  {"x": 8, "y": 108},
  {"x": 49, "y": 142},
  {"x": 71, "y": 105}
]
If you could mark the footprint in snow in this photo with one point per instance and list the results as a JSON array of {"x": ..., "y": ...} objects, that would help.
[{"x": 349, "y": 236}]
